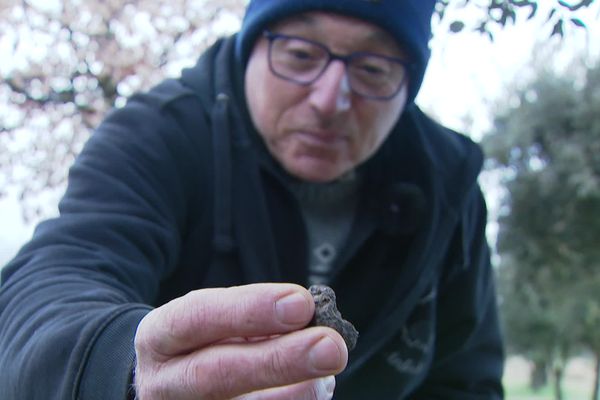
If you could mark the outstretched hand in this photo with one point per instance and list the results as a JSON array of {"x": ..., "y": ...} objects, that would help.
[{"x": 245, "y": 342}]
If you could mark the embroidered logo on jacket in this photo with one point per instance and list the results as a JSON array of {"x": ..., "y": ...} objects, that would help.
[{"x": 415, "y": 342}]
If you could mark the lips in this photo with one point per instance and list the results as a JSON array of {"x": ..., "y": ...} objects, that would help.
[{"x": 320, "y": 138}]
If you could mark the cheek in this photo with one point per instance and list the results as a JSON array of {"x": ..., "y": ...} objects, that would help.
[
  {"x": 386, "y": 123},
  {"x": 259, "y": 111},
  {"x": 388, "y": 115},
  {"x": 255, "y": 98},
  {"x": 376, "y": 126},
  {"x": 268, "y": 101}
]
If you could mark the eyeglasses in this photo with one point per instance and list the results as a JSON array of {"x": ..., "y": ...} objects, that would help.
[{"x": 303, "y": 61}]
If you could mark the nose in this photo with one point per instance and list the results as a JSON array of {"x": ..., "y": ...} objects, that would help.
[{"x": 331, "y": 93}]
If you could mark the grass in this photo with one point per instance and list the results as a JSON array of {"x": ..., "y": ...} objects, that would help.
[
  {"x": 523, "y": 392},
  {"x": 576, "y": 385}
]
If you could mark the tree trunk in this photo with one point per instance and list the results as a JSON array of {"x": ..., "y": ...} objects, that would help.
[
  {"x": 539, "y": 375},
  {"x": 558, "y": 375},
  {"x": 596, "y": 394}
]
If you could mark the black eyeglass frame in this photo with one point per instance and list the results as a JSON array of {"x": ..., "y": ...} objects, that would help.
[{"x": 346, "y": 59}]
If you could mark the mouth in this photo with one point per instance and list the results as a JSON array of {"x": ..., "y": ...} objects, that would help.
[{"x": 321, "y": 138}]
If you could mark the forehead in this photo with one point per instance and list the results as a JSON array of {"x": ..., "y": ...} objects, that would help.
[{"x": 340, "y": 30}]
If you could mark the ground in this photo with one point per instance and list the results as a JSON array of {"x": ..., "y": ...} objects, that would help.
[{"x": 577, "y": 384}]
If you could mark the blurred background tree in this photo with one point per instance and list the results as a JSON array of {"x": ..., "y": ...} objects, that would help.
[
  {"x": 75, "y": 60},
  {"x": 546, "y": 143},
  {"x": 494, "y": 14}
]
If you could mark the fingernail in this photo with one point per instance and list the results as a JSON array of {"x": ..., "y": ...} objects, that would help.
[
  {"x": 325, "y": 387},
  {"x": 325, "y": 355},
  {"x": 293, "y": 309}
]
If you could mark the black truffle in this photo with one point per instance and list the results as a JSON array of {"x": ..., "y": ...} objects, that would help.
[{"x": 327, "y": 314}]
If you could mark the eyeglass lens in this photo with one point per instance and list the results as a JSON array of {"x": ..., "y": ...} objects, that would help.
[{"x": 303, "y": 61}]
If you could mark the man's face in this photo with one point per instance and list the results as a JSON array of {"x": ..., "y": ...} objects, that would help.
[{"x": 320, "y": 131}]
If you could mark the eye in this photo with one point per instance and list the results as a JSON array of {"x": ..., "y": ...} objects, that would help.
[
  {"x": 301, "y": 51},
  {"x": 372, "y": 69},
  {"x": 299, "y": 54},
  {"x": 371, "y": 66}
]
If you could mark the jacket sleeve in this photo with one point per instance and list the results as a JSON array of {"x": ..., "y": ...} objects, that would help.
[
  {"x": 71, "y": 300},
  {"x": 468, "y": 360}
]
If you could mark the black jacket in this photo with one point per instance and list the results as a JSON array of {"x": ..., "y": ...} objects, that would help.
[{"x": 175, "y": 192}]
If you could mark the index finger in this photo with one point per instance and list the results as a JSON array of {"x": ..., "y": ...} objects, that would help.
[{"x": 205, "y": 316}]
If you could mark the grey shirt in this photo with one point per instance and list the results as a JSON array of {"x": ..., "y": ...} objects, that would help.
[{"x": 328, "y": 210}]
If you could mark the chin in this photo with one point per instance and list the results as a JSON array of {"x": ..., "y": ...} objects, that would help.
[{"x": 317, "y": 174}]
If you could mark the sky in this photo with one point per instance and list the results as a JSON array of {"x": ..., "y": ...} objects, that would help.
[{"x": 466, "y": 74}]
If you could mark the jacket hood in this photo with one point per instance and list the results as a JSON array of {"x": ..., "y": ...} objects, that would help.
[{"x": 433, "y": 157}]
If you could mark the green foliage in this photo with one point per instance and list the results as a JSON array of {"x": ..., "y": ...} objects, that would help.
[
  {"x": 546, "y": 142},
  {"x": 500, "y": 13}
]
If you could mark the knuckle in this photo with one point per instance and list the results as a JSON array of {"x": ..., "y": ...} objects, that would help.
[
  {"x": 175, "y": 315},
  {"x": 277, "y": 364},
  {"x": 143, "y": 340},
  {"x": 244, "y": 311},
  {"x": 149, "y": 387},
  {"x": 195, "y": 383},
  {"x": 208, "y": 308},
  {"x": 225, "y": 379},
  {"x": 179, "y": 318},
  {"x": 216, "y": 379}
]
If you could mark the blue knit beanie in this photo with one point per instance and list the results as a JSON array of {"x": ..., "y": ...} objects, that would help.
[{"x": 408, "y": 21}]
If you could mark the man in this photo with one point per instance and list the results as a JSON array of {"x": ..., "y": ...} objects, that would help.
[{"x": 196, "y": 216}]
